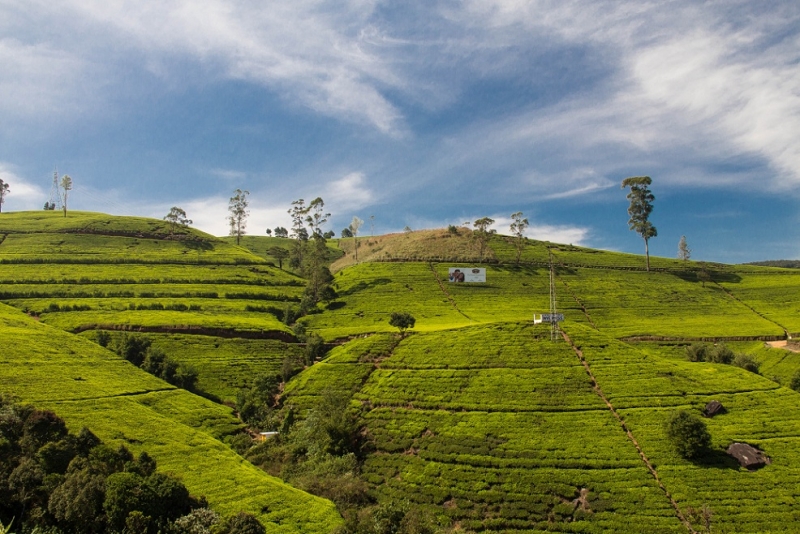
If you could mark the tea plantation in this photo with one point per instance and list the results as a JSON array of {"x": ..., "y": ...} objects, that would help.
[{"x": 474, "y": 418}]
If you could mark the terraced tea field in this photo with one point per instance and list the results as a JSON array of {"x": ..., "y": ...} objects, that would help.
[
  {"x": 90, "y": 386},
  {"x": 475, "y": 415}
]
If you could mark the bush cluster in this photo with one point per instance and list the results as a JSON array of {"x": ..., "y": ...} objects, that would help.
[
  {"x": 700, "y": 352},
  {"x": 55, "y": 482},
  {"x": 138, "y": 351}
]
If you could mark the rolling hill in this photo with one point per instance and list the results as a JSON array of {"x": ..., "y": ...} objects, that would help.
[{"x": 476, "y": 416}]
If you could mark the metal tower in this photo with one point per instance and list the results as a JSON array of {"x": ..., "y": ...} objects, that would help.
[
  {"x": 55, "y": 192},
  {"x": 553, "y": 312}
]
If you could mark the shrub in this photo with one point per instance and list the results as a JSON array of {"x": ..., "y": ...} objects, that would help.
[
  {"x": 720, "y": 354},
  {"x": 402, "y": 321},
  {"x": 242, "y": 523},
  {"x": 746, "y": 362},
  {"x": 795, "y": 383},
  {"x": 688, "y": 434},
  {"x": 696, "y": 352}
]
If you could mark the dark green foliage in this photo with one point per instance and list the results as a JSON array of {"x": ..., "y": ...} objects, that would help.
[
  {"x": 198, "y": 521},
  {"x": 720, "y": 354},
  {"x": 242, "y": 523},
  {"x": 701, "y": 352},
  {"x": 60, "y": 482},
  {"x": 137, "y": 350},
  {"x": 390, "y": 518},
  {"x": 688, "y": 434},
  {"x": 696, "y": 352},
  {"x": 315, "y": 348},
  {"x": 255, "y": 406},
  {"x": 402, "y": 321},
  {"x": 746, "y": 362},
  {"x": 795, "y": 383},
  {"x": 641, "y": 207},
  {"x": 132, "y": 348}
]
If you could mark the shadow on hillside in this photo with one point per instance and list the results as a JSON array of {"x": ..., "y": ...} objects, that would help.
[
  {"x": 713, "y": 276},
  {"x": 336, "y": 305},
  {"x": 198, "y": 245},
  {"x": 206, "y": 395},
  {"x": 563, "y": 269},
  {"x": 717, "y": 459},
  {"x": 517, "y": 269},
  {"x": 361, "y": 286}
]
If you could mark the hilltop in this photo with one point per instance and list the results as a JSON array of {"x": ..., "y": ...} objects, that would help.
[{"x": 475, "y": 420}]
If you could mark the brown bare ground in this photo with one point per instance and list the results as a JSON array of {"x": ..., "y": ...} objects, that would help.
[{"x": 783, "y": 344}]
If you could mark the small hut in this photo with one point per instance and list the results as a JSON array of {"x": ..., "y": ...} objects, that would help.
[{"x": 748, "y": 456}]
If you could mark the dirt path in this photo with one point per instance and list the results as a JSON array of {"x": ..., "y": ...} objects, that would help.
[
  {"x": 783, "y": 344},
  {"x": 628, "y": 433}
]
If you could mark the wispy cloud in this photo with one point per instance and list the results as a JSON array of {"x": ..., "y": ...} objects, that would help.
[
  {"x": 350, "y": 192},
  {"x": 312, "y": 53},
  {"x": 22, "y": 194},
  {"x": 711, "y": 82},
  {"x": 575, "y": 235}
]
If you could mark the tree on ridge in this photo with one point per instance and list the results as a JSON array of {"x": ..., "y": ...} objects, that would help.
[
  {"x": 518, "y": 231},
  {"x": 684, "y": 252},
  {"x": 4, "y": 190},
  {"x": 66, "y": 186},
  {"x": 176, "y": 217},
  {"x": 640, "y": 208},
  {"x": 237, "y": 207}
]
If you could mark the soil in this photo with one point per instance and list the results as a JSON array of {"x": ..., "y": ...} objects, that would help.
[{"x": 783, "y": 345}]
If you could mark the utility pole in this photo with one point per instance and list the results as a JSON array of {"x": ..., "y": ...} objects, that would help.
[{"x": 553, "y": 312}]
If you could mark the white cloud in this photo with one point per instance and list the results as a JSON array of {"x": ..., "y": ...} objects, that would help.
[
  {"x": 313, "y": 54},
  {"x": 705, "y": 83},
  {"x": 349, "y": 193},
  {"x": 228, "y": 174},
  {"x": 39, "y": 80},
  {"x": 565, "y": 234},
  {"x": 22, "y": 195}
]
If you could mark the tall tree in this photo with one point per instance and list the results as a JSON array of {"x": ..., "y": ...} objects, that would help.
[
  {"x": 518, "y": 227},
  {"x": 482, "y": 232},
  {"x": 176, "y": 218},
  {"x": 279, "y": 253},
  {"x": 298, "y": 213},
  {"x": 237, "y": 207},
  {"x": 66, "y": 186},
  {"x": 4, "y": 190},
  {"x": 641, "y": 207},
  {"x": 684, "y": 252},
  {"x": 316, "y": 216},
  {"x": 355, "y": 224}
]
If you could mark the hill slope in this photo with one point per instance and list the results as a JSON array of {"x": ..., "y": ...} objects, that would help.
[
  {"x": 92, "y": 271},
  {"x": 476, "y": 416}
]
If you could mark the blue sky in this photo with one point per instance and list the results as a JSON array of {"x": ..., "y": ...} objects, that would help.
[{"x": 421, "y": 113}]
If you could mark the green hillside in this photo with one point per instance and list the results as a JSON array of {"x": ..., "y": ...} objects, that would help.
[
  {"x": 475, "y": 420},
  {"x": 70, "y": 275}
]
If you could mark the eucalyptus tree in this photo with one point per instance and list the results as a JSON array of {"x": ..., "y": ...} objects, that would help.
[
  {"x": 66, "y": 187},
  {"x": 641, "y": 199},
  {"x": 684, "y": 252},
  {"x": 316, "y": 216},
  {"x": 237, "y": 208},
  {"x": 4, "y": 190},
  {"x": 518, "y": 227},
  {"x": 176, "y": 218},
  {"x": 355, "y": 224},
  {"x": 482, "y": 233}
]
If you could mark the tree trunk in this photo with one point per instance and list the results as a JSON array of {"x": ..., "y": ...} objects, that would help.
[{"x": 647, "y": 254}]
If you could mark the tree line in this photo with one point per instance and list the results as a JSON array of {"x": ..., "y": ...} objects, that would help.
[{"x": 56, "y": 482}]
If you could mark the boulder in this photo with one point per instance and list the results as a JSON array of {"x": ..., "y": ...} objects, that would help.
[
  {"x": 713, "y": 408},
  {"x": 748, "y": 456}
]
